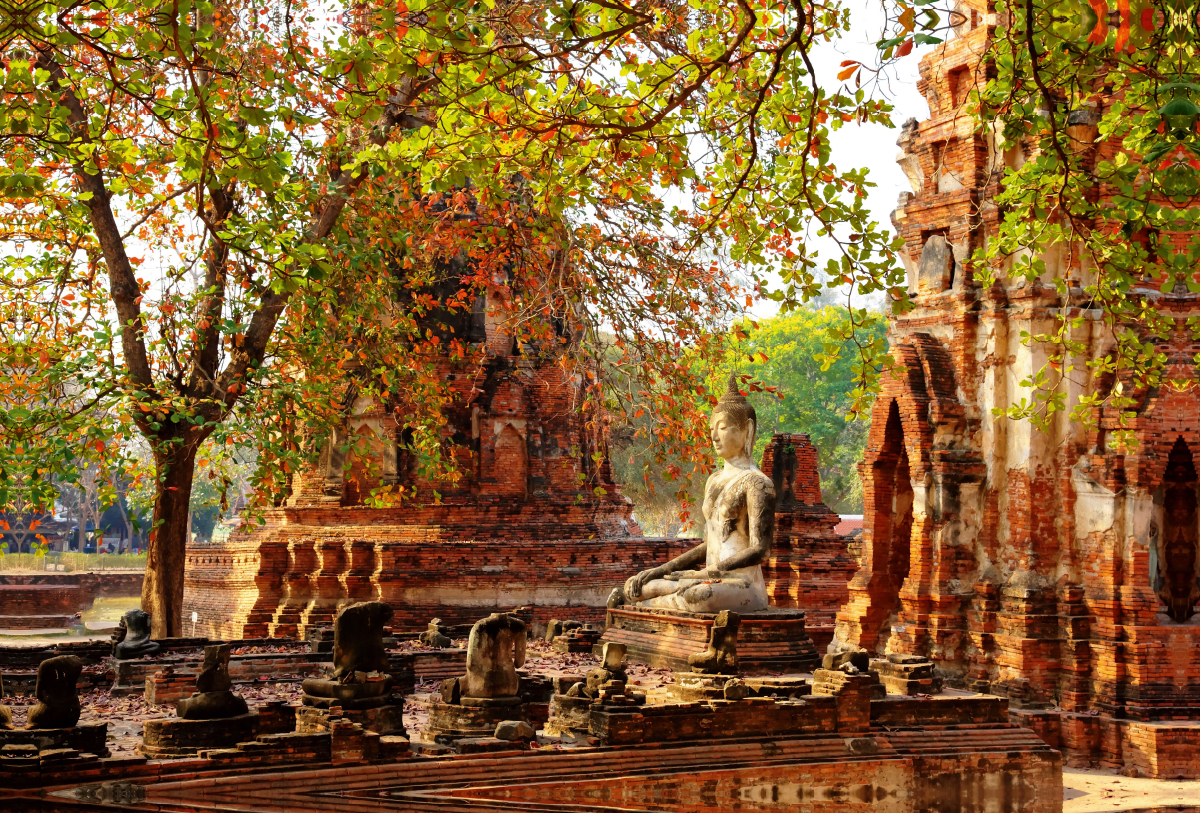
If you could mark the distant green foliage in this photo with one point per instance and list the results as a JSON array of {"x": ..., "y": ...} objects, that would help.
[
  {"x": 815, "y": 377},
  {"x": 801, "y": 379}
]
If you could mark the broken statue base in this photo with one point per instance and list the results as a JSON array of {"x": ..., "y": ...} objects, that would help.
[
  {"x": 449, "y": 722},
  {"x": 771, "y": 640}
]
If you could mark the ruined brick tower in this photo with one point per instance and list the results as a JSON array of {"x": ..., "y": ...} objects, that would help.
[
  {"x": 1042, "y": 566},
  {"x": 535, "y": 520}
]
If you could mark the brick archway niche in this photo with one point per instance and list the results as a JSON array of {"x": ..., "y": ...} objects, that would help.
[
  {"x": 913, "y": 584},
  {"x": 1173, "y": 547},
  {"x": 891, "y": 531}
]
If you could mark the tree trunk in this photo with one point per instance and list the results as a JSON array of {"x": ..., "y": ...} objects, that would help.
[{"x": 162, "y": 589}]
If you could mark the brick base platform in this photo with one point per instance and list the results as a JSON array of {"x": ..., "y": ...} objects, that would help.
[
  {"x": 1159, "y": 750},
  {"x": 770, "y": 641},
  {"x": 173, "y": 737},
  {"x": 87, "y": 739},
  {"x": 25, "y": 623}
]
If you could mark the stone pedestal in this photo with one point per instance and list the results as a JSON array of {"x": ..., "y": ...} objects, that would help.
[
  {"x": 907, "y": 674},
  {"x": 173, "y": 737},
  {"x": 449, "y": 722},
  {"x": 580, "y": 639},
  {"x": 773, "y": 640},
  {"x": 385, "y": 720},
  {"x": 87, "y": 739}
]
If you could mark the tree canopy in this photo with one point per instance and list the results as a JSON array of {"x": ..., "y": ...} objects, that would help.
[{"x": 201, "y": 191}]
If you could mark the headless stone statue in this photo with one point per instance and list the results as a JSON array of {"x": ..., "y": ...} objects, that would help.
[
  {"x": 358, "y": 639},
  {"x": 724, "y": 572},
  {"x": 361, "y": 675},
  {"x": 721, "y": 656},
  {"x": 476, "y": 704},
  {"x": 213, "y": 700},
  {"x": 57, "y": 693},
  {"x": 495, "y": 649},
  {"x": 136, "y": 642}
]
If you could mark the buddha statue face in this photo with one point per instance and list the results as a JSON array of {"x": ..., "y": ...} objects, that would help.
[
  {"x": 732, "y": 425},
  {"x": 731, "y": 438}
]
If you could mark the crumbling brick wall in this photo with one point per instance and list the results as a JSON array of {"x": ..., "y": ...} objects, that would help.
[{"x": 810, "y": 563}]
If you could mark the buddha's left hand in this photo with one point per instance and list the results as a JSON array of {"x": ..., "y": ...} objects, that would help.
[{"x": 690, "y": 574}]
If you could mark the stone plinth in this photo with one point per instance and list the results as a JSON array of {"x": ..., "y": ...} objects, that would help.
[
  {"x": 87, "y": 739},
  {"x": 690, "y": 688},
  {"x": 387, "y": 720},
  {"x": 774, "y": 640},
  {"x": 907, "y": 674},
  {"x": 172, "y": 737},
  {"x": 449, "y": 722}
]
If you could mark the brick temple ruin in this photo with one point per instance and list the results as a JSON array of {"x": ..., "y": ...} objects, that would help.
[
  {"x": 1044, "y": 567},
  {"x": 522, "y": 530},
  {"x": 535, "y": 520}
]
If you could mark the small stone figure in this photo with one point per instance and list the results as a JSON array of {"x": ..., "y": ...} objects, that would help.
[
  {"x": 433, "y": 636},
  {"x": 361, "y": 673},
  {"x": 57, "y": 693},
  {"x": 5, "y": 711},
  {"x": 739, "y": 523},
  {"x": 721, "y": 656},
  {"x": 556, "y": 628},
  {"x": 495, "y": 650},
  {"x": 213, "y": 700},
  {"x": 135, "y": 643}
]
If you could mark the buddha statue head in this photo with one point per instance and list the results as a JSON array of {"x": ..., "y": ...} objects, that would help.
[{"x": 732, "y": 424}]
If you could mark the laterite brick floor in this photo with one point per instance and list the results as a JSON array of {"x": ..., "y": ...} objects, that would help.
[{"x": 1086, "y": 791}]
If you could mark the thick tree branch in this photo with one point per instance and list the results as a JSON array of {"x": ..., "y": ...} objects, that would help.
[{"x": 123, "y": 285}]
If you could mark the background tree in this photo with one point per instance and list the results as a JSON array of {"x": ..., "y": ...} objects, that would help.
[{"x": 186, "y": 174}]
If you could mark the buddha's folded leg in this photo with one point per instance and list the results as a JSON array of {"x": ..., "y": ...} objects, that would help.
[
  {"x": 663, "y": 588},
  {"x": 722, "y": 594}
]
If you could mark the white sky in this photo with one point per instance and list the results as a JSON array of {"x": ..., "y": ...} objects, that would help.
[{"x": 870, "y": 145}]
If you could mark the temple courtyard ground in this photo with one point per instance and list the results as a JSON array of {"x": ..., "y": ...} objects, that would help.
[{"x": 1087, "y": 791}]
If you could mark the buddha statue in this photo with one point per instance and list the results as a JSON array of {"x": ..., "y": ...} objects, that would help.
[
  {"x": 134, "y": 641},
  {"x": 724, "y": 572},
  {"x": 213, "y": 698},
  {"x": 58, "y": 698},
  {"x": 361, "y": 671}
]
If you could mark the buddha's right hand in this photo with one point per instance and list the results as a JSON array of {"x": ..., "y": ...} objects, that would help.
[{"x": 633, "y": 585}]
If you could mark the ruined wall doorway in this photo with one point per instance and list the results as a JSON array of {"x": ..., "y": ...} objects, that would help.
[
  {"x": 1175, "y": 580},
  {"x": 511, "y": 467},
  {"x": 893, "y": 522}
]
